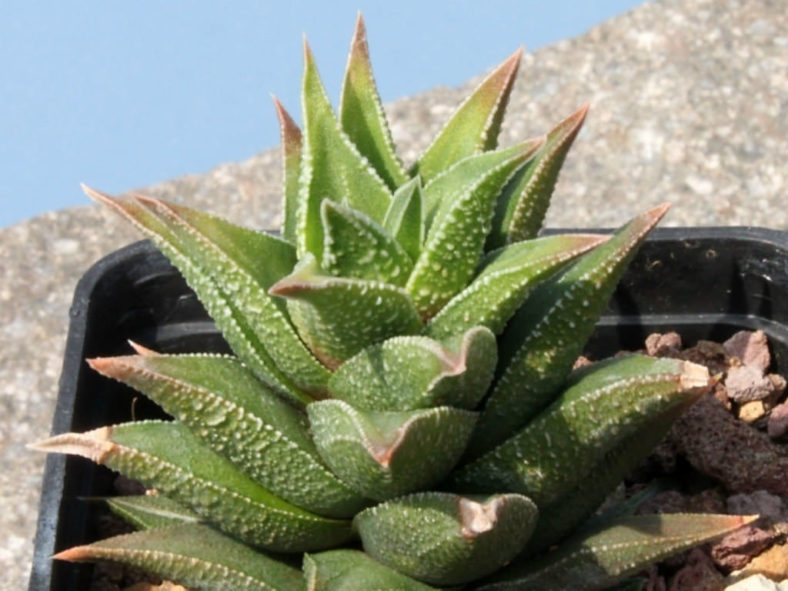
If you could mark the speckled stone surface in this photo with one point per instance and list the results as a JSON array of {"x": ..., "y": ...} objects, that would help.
[{"x": 689, "y": 102}]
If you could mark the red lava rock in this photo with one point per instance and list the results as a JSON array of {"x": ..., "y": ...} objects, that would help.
[
  {"x": 718, "y": 445},
  {"x": 710, "y": 354},
  {"x": 745, "y": 383},
  {"x": 660, "y": 345},
  {"x": 777, "y": 426},
  {"x": 750, "y": 347},
  {"x": 698, "y": 574},
  {"x": 735, "y": 550}
]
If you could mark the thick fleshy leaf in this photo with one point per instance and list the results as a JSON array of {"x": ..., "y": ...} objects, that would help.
[
  {"x": 167, "y": 457},
  {"x": 405, "y": 373},
  {"x": 338, "y": 317},
  {"x": 572, "y": 509},
  {"x": 405, "y": 217},
  {"x": 362, "y": 115},
  {"x": 332, "y": 166},
  {"x": 343, "y": 570},
  {"x": 220, "y": 305},
  {"x": 151, "y": 511},
  {"x": 194, "y": 555},
  {"x": 292, "y": 147},
  {"x": 506, "y": 277},
  {"x": 455, "y": 240},
  {"x": 446, "y": 539},
  {"x": 455, "y": 181},
  {"x": 523, "y": 204},
  {"x": 598, "y": 559},
  {"x": 475, "y": 125},
  {"x": 603, "y": 405},
  {"x": 544, "y": 338},
  {"x": 382, "y": 454},
  {"x": 356, "y": 246},
  {"x": 222, "y": 403}
]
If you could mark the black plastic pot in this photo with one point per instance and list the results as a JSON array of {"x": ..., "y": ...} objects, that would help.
[{"x": 706, "y": 283}]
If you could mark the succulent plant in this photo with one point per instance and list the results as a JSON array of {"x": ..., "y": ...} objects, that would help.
[{"x": 402, "y": 408}]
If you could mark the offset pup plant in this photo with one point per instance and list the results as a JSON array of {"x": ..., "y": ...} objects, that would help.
[{"x": 401, "y": 409}]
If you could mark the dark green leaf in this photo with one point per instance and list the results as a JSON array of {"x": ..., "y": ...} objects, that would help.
[
  {"x": 348, "y": 570},
  {"x": 405, "y": 219},
  {"x": 291, "y": 160}
]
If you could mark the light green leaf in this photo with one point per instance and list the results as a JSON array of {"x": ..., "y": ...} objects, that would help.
[
  {"x": 332, "y": 166},
  {"x": 193, "y": 555},
  {"x": 362, "y": 115},
  {"x": 232, "y": 322},
  {"x": 151, "y": 511},
  {"x": 167, "y": 457},
  {"x": 598, "y": 559},
  {"x": 344, "y": 570},
  {"x": 222, "y": 403},
  {"x": 506, "y": 277},
  {"x": 292, "y": 147},
  {"x": 358, "y": 247},
  {"x": 544, "y": 338},
  {"x": 338, "y": 317},
  {"x": 603, "y": 405},
  {"x": 475, "y": 125},
  {"x": 523, "y": 204},
  {"x": 446, "y": 539},
  {"x": 455, "y": 240},
  {"x": 382, "y": 454},
  {"x": 405, "y": 373},
  {"x": 405, "y": 219}
]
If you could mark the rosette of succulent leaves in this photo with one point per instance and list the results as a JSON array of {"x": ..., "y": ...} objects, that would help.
[{"x": 401, "y": 411}]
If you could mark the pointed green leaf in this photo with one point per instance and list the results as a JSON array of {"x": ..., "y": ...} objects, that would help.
[
  {"x": 358, "y": 247},
  {"x": 238, "y": 260},
  {"x": 381, "y": 454},
  {"x": 332, "y": 166},
  {"x": 405, "y": 373},
  {"x": 506, "y": 277},
  {"x": 545, "y": 337},
  {"x": 224, "y": 405},
  {"x": 522, "y": 207},
  {"x": 602, "y": 406},
  {"x": 475, "y": 125},
  {"x": 456, "y": 180},
  {"x": 220, "y": 306},
  {"x": 362, "y": 115},
  {"x": 291, "y": 161},
  {"x": 405, "y": 219},
  {"x": 446, "y": 539},
  {"x": 342, "y": 570},
  {"x": 598, "y": 559},
  {"x": 455, "y": 240},
  {"x": 166, "y": 456},
  {"x": 338, "y": 317},
  {"x": 151, "y": 511},
  {"x": 194, "y": 555}
]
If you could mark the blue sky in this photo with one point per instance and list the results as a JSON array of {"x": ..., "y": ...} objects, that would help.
[{"x": 124, "y": 94}]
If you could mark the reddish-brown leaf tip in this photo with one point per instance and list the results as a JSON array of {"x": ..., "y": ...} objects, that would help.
[
  {"x": 75, "y": 554},
  {"x": 141, "y": 349}
]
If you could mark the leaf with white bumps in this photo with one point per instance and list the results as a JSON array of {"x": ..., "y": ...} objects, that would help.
[
  {"x": 166, "y": 456},
  {"x": 362, "y": 115},
  {"x": 338, "y": 317},
  {"x": 455, "y": 240},
  {"x": 194, "y": 555},
  {"x": 382, "y": 454},
  {"x": 598, "y": 559},
  {"x": 523, "y": 204},
  {"x": 332, "y": 167},
  {"x": 544, "y": 338},
  {"x": 151, "y": 511},
  {"x": 447, "y": 539},
  {"x": 405, "y": 373},
  {"x": 506, "y": 277},
  {"x": 292, "y": 147},
  {"x": 603, "y": 405},
  {"x": 356, "y": 246},
  {"x": 222, "y": 403},
  {"x": 475, "y": 125},
  {"x": 405, "y": 217},
  {"x": 343, "y": 570}
]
